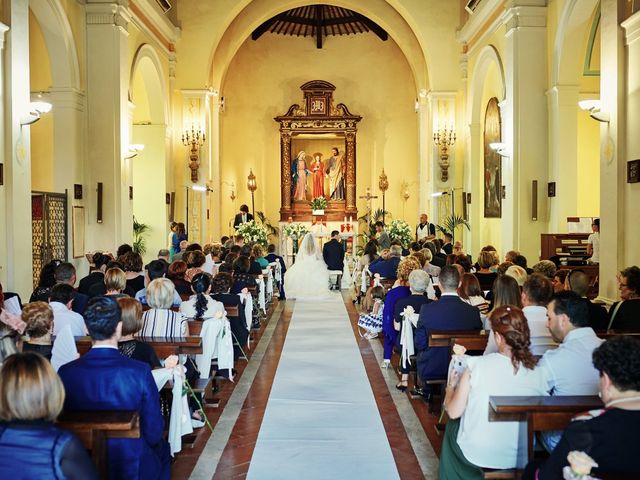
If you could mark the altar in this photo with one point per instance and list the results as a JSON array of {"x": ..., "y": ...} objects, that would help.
[
  {"x": 318, "y": 157},
  {"x": 322, "y": 234}
]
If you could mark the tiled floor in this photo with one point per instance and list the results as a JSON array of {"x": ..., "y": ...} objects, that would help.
[{"x": 236, "y": 455}]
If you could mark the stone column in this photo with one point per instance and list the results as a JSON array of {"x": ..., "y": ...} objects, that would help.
[
  {"x": 563, "y": 149},
  {"x": 108, "y": 128},
  {"x": 526, "y": 111},
  {"x": 17, "y": 152},
  {"x": 425, "y": 185},
  {"x": 3, "y": 197}
]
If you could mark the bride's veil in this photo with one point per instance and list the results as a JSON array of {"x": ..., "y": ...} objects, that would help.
[{"x": 308, "y": 248}]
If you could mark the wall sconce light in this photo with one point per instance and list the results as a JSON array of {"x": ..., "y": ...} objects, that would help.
[
  {"x": 444, "y": 138},
  {"x": 36, "y": 110},
  {"x": 252, "y": 186},
  {"x": 134, "y": 149},
  {"x": 193, "y": 139},
  {"x": 405, "y": 191},
  {"x": 500, "y": 148},
  {"x": 595, "y": 112},
  {"x": 232, "y": 187}
]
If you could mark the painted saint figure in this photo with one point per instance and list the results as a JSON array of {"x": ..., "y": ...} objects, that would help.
[
  {"x": 335, "y": 172},
  {"x": 317, "y": 167},
  {"x": 299, "y": 174}
]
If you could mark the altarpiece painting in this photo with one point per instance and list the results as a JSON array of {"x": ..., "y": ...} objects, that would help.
[
  {"x": 492, "y": 161},
  {"x": 318, "y": 155}
]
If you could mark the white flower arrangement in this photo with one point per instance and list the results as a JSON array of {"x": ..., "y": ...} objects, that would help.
[
  {"x": 295, "y": 231},
  {"x": 401, "y": 231},
  {"x": 252, "y": 232}
]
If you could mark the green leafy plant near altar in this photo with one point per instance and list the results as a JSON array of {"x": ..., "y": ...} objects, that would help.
[
  {"x": 452, "y": 222},
  {"x": 318, "y": 203},
  {"x": 140, "y": 231},
  {"x": 266, "y": 223},
  {"x": 252, "y": 232},
  {"x": 401, "y": 231}
]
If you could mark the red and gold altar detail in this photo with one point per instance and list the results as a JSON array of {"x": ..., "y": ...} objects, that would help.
[{"x": 318, "y": 157}]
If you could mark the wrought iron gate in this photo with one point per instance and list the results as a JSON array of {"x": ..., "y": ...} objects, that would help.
[{"x": 49, "y": 227}]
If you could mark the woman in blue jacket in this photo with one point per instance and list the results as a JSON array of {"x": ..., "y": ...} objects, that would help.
[{"x": 31, "y": 446}]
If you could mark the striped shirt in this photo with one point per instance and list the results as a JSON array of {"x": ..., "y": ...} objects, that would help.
[{"x": 159, "y": 322}]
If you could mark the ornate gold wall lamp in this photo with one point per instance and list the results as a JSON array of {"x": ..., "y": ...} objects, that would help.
[
  {"x": 383, "y": 185},
  {"x": 194, "y": 140},
  {"x": 252, "y": 186},
  {"x": 444, "y": 138}
]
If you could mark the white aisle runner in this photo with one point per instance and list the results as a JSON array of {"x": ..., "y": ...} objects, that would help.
[{"x": 321, "y": 420}]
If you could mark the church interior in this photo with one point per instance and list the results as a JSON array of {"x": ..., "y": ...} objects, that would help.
[{"x": 508, "y": 123}]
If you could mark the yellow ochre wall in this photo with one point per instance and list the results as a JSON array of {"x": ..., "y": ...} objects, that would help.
[{"x": 371, "y": 77}]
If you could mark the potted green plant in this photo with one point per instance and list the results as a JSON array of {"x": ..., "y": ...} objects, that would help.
[
  {"x": 452, "y": 222},
  {"x": 140, "y": 231},
  {"x": 318, "y": 205}
]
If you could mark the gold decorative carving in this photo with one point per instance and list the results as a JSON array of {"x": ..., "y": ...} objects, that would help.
[{"x": 317, "y": 115}]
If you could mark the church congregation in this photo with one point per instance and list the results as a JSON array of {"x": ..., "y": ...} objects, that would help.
[{"x": 274, "y": 239}]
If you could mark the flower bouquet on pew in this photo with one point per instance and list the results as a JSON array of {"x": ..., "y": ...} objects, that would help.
[{"x": 579, "y": 468}]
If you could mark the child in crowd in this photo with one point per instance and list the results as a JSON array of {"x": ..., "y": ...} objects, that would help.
[{"x": 372, "y": 306}]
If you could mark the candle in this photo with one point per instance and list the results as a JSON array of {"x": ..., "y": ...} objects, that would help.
[
  {"x": 345, "y": 219},
  {"x": 350, "y": 218}
]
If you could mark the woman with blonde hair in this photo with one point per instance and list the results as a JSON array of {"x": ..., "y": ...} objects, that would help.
[
  {"x": 400, "y": 290},
  {"x": 31, "y": 446},
  {"x": 471, "y": 441},
  {"x": 160, "y": 321},
  {"x": 115, "y": 282}
]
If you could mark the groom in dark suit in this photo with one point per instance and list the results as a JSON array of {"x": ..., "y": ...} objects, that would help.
[
  {"x": 448, "y": 313},
  {"x": 333, "y": 255},
  {"x": 242, "y": 217},
  {"x": 103, "y": 379}
]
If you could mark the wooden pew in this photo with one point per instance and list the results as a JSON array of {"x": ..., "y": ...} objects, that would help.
[
  {"x": 540, "y": 413},
  {"x": 162, "y": 346},
  {"x": 94, "y": 428},
  {"x": 615, "y": 333}
]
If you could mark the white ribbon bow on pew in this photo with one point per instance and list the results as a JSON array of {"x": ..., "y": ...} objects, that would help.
[
  {"x": 409, "y": 320},
  {"x": 217, "y": 342},
  {"x": 261, "y": 294},
  {"x": 247, "y": 300},
  {"x": 179, "y": 420},
  {"x": 269, "y": 274}
]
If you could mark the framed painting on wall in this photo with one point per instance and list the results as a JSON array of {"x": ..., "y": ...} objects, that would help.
[{"x": 492, "y": 178}]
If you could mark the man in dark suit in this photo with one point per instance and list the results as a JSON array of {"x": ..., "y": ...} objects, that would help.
[
  {"x": 272, "y": 258},
  {"x": 242, "y": 217},
  {"x": 448, "y": 313},
  {"x": 387, "y": 268},
  {"x": 333, "y": 255},
  {"x": 447, "y": 247},
  {"x": 96, "y": 277},
  {"x": 103, "y": 379}
]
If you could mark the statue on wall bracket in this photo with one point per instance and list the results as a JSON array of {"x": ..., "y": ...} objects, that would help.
[{"x": 325, "y": 127}]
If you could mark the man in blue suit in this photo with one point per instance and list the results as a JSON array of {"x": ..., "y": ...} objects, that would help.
[
  {"x": 448, "y": 313},
  {"x": 103, "y": 379}
]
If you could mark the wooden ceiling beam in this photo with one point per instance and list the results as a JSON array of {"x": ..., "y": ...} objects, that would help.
[
  {"x": 319, "y": 26},
  {"x": 375, "y": 28},
  {"x": 262, "y": 29}
]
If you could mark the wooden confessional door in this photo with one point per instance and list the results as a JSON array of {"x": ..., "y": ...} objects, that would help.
[{"x": 49, "y": 229}]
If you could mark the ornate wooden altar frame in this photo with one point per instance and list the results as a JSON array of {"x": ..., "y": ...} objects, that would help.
[{"x": 318, "y": 115}]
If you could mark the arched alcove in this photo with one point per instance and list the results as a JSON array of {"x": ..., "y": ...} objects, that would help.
[
  {"x": 487, "y": 81},
  {"x": 574, "y": 138},
  {"x": 147, "y": 93}
]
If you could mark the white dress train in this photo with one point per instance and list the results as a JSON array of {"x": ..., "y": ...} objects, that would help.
[{"x": 308, "y": 277}]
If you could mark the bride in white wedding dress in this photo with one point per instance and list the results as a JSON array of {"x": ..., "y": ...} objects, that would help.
[{"x": 308, "y": 277}]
